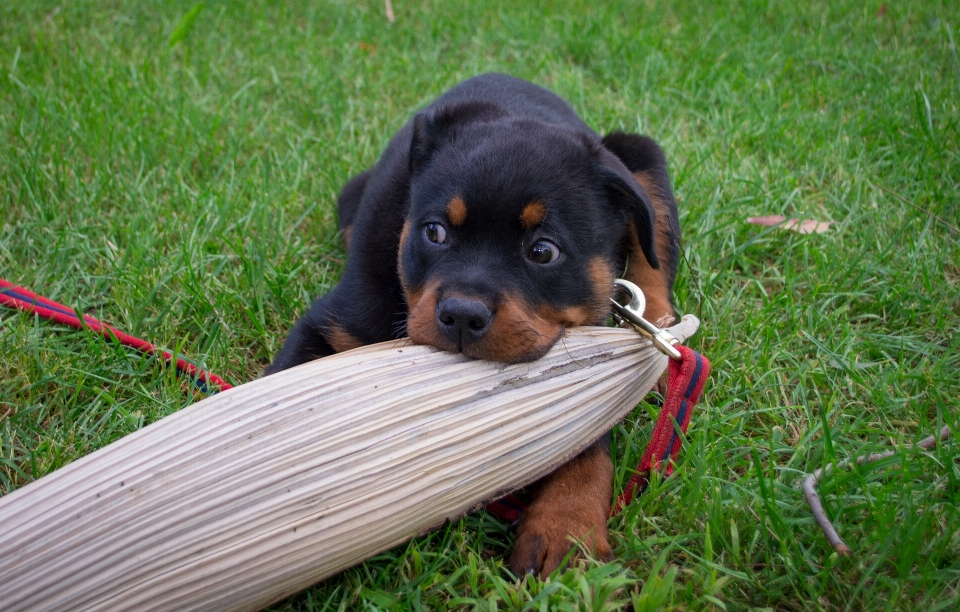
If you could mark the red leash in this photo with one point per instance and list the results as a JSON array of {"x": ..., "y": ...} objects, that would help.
[
  {"x": 17, "y": 297},
  {"x": 687, "y": 377}
]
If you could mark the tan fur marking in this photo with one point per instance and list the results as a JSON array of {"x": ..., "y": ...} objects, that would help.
[
  {"x": 413, "y": 298},
  {"x": 654, "y": 283},
  {"x": 421, "y": 322},
  {"x": 457, "y": 211},
  {"x": 516, "y": 334},
  {"x": 347, "y": 231},
  {"x": 340, "y": 339},
  {"x": 573, "y": 502},
  {"x": 601, "y": 277},
  {"x": 571, "y": 316},
  {"x": 533, "y": 214},
  {"x": 404, "y": 235},
  {"x": 593, "y": 312}
]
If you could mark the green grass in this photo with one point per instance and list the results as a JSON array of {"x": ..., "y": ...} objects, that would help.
[{"x": 185, "y": 193}]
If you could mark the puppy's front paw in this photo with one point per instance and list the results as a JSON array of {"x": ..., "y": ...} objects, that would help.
[
  {"x": 548, "y": 532},
  {"x": 569, "y": 509}
]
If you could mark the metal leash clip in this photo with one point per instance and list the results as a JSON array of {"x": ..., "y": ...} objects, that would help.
[{"x": 632, "y": 314}]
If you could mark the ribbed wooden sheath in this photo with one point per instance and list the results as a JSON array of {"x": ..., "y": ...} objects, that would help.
[{"x": 255, "y": 493}]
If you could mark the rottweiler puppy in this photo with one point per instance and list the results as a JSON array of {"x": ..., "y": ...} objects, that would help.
[{"x": 495, "y": 219}]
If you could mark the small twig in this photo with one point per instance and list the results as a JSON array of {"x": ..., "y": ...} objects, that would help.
[
  {"x": 920, "y": 208},
  {"x": 390, "y": 16},
  {"x": 811, "y": 481}
]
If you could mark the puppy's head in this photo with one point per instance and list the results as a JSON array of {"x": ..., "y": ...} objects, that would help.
[{"x": 515, "y": 231}]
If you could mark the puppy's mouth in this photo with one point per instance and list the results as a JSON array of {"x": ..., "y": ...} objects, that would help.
[{"x": 506, "y": 329}]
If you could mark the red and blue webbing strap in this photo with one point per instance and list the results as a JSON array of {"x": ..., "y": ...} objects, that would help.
[
  {"x": 687, "y": 378},
  {"x": 17, "y": 297},
  {"x": 507, "y": 508}
]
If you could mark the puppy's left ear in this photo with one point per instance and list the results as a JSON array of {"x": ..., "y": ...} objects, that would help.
[{"x": 628, "y": 196}]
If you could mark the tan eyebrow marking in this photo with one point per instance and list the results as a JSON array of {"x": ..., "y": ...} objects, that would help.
[
  {"x": 533, "y": 214},
  {"x": 457, "y": 211}
]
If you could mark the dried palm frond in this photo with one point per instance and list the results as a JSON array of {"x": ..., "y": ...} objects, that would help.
[{"x": 257, "y": 492}]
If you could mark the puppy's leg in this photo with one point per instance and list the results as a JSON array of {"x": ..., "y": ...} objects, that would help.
[
  {"x": 324, "y": 330},
  {"x": 360, "y": 310},
  {"x": 348, "y": 202},
  {"x": 569, "y": 507},
  {"x": 367, "y": 306},
  {"x": 305, "y": 342}
]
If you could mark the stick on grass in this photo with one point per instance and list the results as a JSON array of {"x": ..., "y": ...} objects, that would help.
[{"x": 813, "y": 499}]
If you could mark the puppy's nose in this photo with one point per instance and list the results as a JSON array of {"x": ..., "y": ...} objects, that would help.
[{"x": 463, "y": 320}]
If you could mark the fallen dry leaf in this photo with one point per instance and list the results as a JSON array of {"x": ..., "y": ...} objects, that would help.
[{"x": 802, "y": 226}]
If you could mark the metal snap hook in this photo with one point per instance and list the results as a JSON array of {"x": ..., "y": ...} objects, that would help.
[{"x": 632, "y": 313}]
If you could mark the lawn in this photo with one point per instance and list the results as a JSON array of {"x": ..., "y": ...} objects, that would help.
[{"x": 175, "y": 173}]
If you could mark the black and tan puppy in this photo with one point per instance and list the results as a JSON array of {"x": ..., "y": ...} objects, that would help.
[{"x": 494, "y": 220}]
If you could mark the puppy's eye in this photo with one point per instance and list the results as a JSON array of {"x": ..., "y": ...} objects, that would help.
[
  {"x": 435, "y": 233},
  {"x": 543, "y": 252}
]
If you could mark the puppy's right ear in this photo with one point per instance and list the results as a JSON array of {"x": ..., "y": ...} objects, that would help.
[
  {"x": 423, "y": 143},
  {"x": 630, "y": 198}
]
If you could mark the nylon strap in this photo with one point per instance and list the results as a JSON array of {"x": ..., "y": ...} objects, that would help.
[
  {"x": 17, "y": 297},
  {"x": 687, "y": 378}
]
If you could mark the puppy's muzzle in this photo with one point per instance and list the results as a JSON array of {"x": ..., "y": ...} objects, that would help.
[{"x": 463, "y": 321}]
